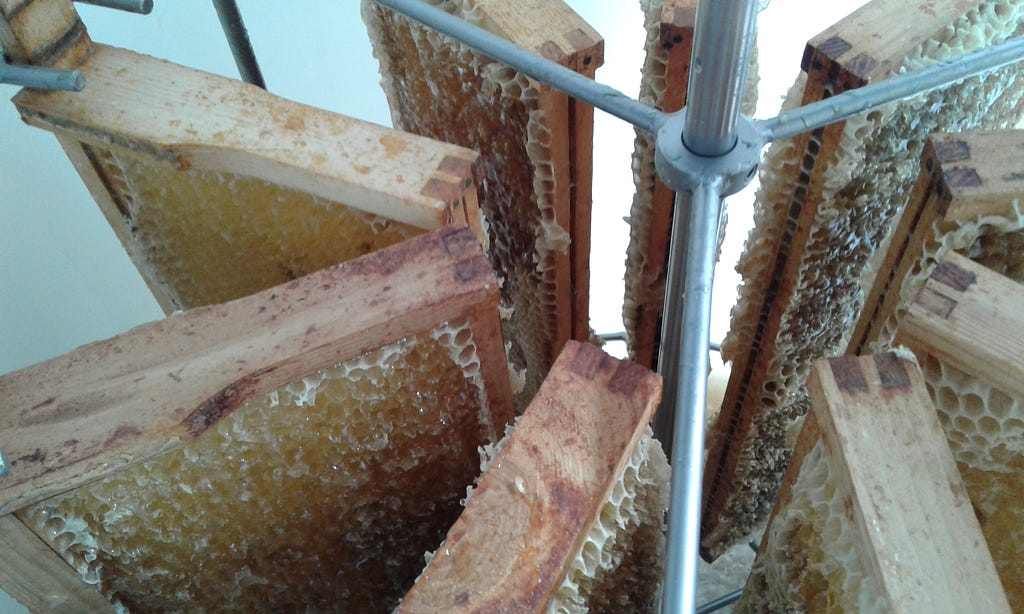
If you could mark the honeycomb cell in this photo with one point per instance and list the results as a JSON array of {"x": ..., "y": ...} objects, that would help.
[
  {"x": 206, "y": 237},
  {"x": 320, "y": 496}
]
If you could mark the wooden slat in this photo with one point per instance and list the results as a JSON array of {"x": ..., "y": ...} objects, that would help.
[
  {"x": 40, "y": 580},
  {"x": 536, "y": 149},
  {"x": 43, "y": 32},
  {"x": 965, "y": 178},
  {"x": 970, "y": 317},
  {"x": 916, "y": 544},
  {"x": 114, "y": 403},
  {"x": 820, "y": 221},
  {"x": 142, "y": 108},
  {"x": 527, "y": 518},
  {"x": 666, "y": 74}
]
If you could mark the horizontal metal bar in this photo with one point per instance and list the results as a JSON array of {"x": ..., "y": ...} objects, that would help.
[
  {"x": 621, "y": 336},
  {"x": 42, "y": 78},
  {"x": 540, "y": 68},
  {"x": 238, "y": 39},
  {"x": 142, "y": 7},
  {"x": 852, "y": 102}
]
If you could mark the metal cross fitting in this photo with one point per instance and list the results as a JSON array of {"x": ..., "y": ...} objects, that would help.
[{"x": 683, "y": 170}]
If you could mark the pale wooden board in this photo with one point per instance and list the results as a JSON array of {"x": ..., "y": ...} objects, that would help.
[
  {"x": 964, "y": 177},
  {"x": 969, "y": 317},
  {"x": 43, "y": 32},
  {"x": 916, "y": 531},
  {"x": 40, "y": 580},
  {"x": 528, "y": 516},
  {"x": 877, "y": 419},
  {"x": 114, "y": 403}
]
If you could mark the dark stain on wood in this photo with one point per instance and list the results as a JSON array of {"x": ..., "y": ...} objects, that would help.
[
  {"x": 834, "y": 47},
  {"x": 848, "y": 374},
  {"x": 892, "y": 372},
  {"x": 963, "y": 178},
  {"x": 935, "y": 303},
  {"x": 952, "y": 151},
  {"x": 949, "y": 274}
]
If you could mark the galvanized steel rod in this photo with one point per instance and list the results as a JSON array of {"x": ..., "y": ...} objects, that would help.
[
  {"x": 141, "y": 7},
  {"x": 603, "y": 97},
  {"x": 692, "y": 270},
  {"x": 42, "y": 78},
  {"x": 238, "y": 40},
  {"x": 852, "y": 102},
  {"x": 722, "y": 44}
]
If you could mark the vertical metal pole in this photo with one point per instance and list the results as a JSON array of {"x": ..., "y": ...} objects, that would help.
[
  {"x": 722, "y": 44},
  {"x": 696, "y": 216},
  {"x": 238, "y": 39}
]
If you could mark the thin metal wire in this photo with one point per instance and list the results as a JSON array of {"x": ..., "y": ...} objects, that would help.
[
  {"x": 721, "y": 602},
  {"x": 568, "y": 81},
  {"x": 39, "y": 77},
  {"x": 141, "y": 7},
  {"x": 684, "y": 352},
  {"x": 852, "y": 102},
  {"x": 238, "y": 39}
]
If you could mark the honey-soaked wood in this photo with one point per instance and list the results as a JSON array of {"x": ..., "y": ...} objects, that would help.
[
  {"x": 568, "y": 515},
  {"x": 218, "y": 189},
  {"x": 535, "y": 145},
  {"x": 320, "y": 430},
  {"x": 822, "y": 215},
  {"x": 872, "y": 515},
  {"x": 966, "y": 199}
]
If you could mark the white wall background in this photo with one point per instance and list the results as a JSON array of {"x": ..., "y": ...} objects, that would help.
[{"x": 66, "y": 281}]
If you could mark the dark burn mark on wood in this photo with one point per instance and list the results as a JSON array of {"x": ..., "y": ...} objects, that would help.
[
  {"x": 442, "y": 188},
  {"x": 834, "y": 47},
  {"x": 223, "y": 403},
  {"x": 952, "y": 151},
  {"x": 862, "y": 65},
  {"x": 36, "y": 456},
  {"x": 459, "y": 242},
  {"x": 627, "y": 378},
  {"x": 43, "y": 404},
  {"x": 122, "y": 434},
  {"x": 892, "y": 372},
  {"x": 848, "y": 374},
  {"x": 935, "y": 303},
  {"x": 472, "y": 269},
  {"x": 588, "y": 361},
  {"x": 949, "y": 274},
  {"x": 963, "y": 178}
]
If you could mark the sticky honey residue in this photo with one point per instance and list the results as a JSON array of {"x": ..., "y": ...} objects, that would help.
[
  {"x": 320, "y": 496},
  {"x": 205, "y": 237}
]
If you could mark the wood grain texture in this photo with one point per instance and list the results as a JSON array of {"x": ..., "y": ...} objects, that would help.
[
  {"x": 40, "y": 580},
  {"x": 114, "y": 403},
  {"x": 965, "y": 177},
  {"x": 527, "y": 518},
  {"x": 909, "y": 501},
  {"x": 200, "y": 120},
  {"x": 43, "y": 33},
  {"x": 970, "y": 317},
  {"x": 916, "y": 543}
]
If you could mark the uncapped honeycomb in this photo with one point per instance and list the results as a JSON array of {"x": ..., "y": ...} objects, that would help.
[
  {"x": 205, "y": 237},
  {"x": 865, "y": 183},
  {"x": 644, "y": 280},
  {"x": 985, "y": 429},
  {"x": 319, "y": 496},
  {"x": 619, "y": 566},
  {"x": 441, "y": 89},
  {"x": 814, "y": 559}
]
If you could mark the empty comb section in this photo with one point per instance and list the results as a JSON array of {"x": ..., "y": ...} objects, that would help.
[
  {"x": 965, "y": 326},
  {"x": 535, "y": 145},
  {"x": 332, "y": 427},
  {"x": 666, "y": 72},
  {"x": 569, "y": 515},
  {"x": 823, "y": 210},
  {"x": 218, "y": 189},
  {"x": 872, "y": 516},
  {"x": 966, "y": 199}
]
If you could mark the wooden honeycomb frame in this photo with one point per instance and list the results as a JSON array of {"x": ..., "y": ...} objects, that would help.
[{"x": 109, "y": 405}]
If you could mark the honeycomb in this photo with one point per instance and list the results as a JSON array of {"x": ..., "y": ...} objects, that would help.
[
  {"x": 645, "y": 280},
  {"x": 619, "y": 566},
  {"x": 985, "y": 430},
  {"x": 866, "y": 181},
  {"x": 441, "y": 89},
  {"x": 319, "y": 496},
  {"x": 192, "y": 231},
  {"x": 813, "y": 559}
]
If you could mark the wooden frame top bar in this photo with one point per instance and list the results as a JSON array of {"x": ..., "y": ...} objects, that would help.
[{"x": 104, "y": 406}]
